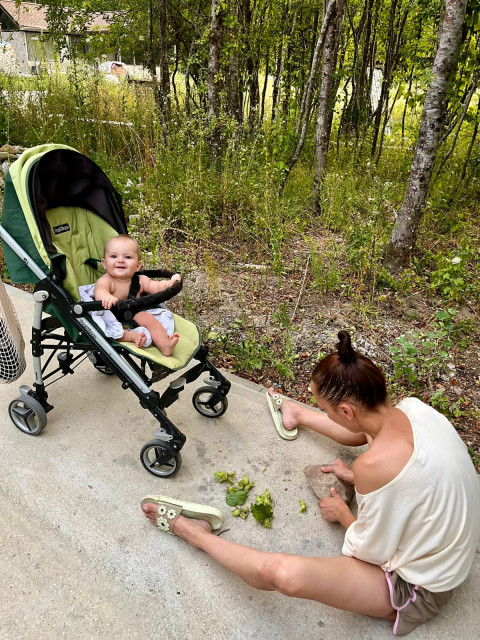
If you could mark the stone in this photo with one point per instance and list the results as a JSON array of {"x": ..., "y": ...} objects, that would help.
[
  {"x": 10, "y": 149},
  {"x": 322, "y": 482}
]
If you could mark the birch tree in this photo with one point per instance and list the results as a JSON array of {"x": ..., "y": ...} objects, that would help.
[
  {"x": 214, "y": 60},
  {"x": 307, "y": 98},
  {"x": 404, "y": 233},
  {"x": 326, "y": 99}
]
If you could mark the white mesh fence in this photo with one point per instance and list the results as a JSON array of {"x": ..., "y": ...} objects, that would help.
[{"x": 12, "y": 346}]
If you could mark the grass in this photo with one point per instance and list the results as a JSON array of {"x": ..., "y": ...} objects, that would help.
[{"x": 182, "y": 206}]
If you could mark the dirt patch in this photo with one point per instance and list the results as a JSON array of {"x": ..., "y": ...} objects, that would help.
[{"x": 239, "y": 302}]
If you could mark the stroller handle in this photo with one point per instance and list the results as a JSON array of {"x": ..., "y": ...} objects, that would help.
[{"x": 132, "y": 306}]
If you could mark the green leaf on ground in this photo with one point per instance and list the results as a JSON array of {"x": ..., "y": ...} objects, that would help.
[
  {"x": 263, "y": 514},
  {"x": 235, "y": 498},
  {"x": 224, "y": 476}
]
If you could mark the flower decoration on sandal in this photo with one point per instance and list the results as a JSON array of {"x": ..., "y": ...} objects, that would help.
[{"x": 163, "y": 525}]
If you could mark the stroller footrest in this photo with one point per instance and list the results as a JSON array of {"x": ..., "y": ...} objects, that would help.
[
  {"x": 211, "y": 382},
  {"x": 161, "y": 434},
  {"x": 178, "y": 384}
]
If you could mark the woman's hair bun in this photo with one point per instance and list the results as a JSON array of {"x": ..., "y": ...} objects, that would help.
[{"x": 345, "y": 350}]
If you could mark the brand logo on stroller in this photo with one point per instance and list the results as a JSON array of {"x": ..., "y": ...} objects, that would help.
[{"x": 62, "y": 228}]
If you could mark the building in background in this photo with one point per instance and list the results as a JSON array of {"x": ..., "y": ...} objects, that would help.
[{"x": 25, "y": 28}]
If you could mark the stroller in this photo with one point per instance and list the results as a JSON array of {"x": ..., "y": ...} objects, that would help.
[{"x": 59, "y": 210}]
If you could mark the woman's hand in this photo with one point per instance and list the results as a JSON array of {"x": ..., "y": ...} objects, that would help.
[
  {"x": 334, "y": 509},
  {"x": 341, "y": 469}
]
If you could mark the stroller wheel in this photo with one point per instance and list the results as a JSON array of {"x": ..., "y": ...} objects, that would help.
[
  {"x": 157, "y": 459},
  {"x": 209, "y": 402},
  {"x": 28, "y": 415}
]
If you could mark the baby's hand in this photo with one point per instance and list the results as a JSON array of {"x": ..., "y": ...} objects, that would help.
[
  {"x": 108, "y": 301},
  {"x": 176, "y": 278}
]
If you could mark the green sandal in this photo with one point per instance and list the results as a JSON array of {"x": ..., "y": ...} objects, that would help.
[{"x": 170, "y": 508}]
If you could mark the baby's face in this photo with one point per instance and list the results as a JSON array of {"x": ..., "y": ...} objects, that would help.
[{"x": 121, "y": 258}]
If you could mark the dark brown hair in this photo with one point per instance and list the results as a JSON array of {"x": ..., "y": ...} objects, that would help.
[{"x": 348, "y": 375}]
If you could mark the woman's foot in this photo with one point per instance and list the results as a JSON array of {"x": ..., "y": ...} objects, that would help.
[
  {"x": 184, "y": 528},
  {"x": 289, "y": 412}
]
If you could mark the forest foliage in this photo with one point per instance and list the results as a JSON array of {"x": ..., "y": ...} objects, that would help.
[
  {"x": 261, "y": 113},
  {"x": 210, "y": 153}
]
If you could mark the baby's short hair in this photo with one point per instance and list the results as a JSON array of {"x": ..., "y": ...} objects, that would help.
[{"x": 122, "y": 236}]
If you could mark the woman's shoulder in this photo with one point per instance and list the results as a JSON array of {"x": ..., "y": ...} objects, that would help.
[
  {"x": 381, "y": 463},
  {"x": 419, "y": 412},
  {"x": 372, "y": 471},
  {"x": 412, "y": 404}
]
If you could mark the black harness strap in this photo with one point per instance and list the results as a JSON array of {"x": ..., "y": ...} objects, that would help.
[
  {"x": 125, "y": 316},
  {"x": 134, "y": 287}
]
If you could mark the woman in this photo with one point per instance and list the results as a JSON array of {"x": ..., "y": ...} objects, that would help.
[{"x": 418, "y": 496}]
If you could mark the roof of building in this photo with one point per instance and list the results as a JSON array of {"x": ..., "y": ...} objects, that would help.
[{"x": 33, "y": 17}]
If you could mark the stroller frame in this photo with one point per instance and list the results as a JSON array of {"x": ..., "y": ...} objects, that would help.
[{"x": 160, "y": 456}]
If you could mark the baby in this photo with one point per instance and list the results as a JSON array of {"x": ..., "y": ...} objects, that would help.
[{"x": 121, "y": 261}]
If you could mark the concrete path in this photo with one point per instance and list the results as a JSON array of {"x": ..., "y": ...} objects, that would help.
[{"x": 79, "y": 561}]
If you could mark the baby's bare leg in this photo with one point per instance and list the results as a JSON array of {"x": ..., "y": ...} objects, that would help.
[
  {"x": 163, "y": 342},
  {"x": 138, "y": 339}
]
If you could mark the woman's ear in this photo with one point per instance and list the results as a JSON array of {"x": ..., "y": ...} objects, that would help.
[{"x": 347, "y": 410}]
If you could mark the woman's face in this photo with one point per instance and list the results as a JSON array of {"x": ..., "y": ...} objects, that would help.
[{"x": 341, "y": 414}]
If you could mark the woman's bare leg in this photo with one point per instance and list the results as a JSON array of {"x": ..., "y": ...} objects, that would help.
[{"x": 344, "y": 583}]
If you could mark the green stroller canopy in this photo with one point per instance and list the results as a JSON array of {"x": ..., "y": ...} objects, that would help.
[{"x": 44, "y": 178}]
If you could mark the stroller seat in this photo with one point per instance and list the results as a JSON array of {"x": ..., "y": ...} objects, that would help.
[
  {"x": 80, "y": 236},
  {"x": 59, "y": 211}
]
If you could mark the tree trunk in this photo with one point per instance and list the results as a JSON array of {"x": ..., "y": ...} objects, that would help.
[
  {"x": 234, "y": 93},
  {"x": 265, "y": 84},
  {"x": 164, "y": 77},
  {"x": 468, "y": 99},
  {"x": 358, "y": 109},
  {"x": 307, "y": 98},
  {"x": 326, "y": 100},
  {"x": 276, "y": 84},
  {"x": 174, "y": 86},
  {"x": 188, "y": 96},
  {"x": 470, "y": 146},
  {"x": 151, "y": 57},
  {"x": 214, "y": 60},
  {"x": 386, "y": 78},
  {"x": 404, "y": 233},
  {"x": 288, "y": 68},
  {"x": 251, "y": 62}
]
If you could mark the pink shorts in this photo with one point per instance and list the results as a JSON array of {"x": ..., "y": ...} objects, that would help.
[{"x": 414, "y": 605}]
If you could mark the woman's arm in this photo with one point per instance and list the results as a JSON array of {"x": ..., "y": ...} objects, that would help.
[{"x": 319, "y": 421}]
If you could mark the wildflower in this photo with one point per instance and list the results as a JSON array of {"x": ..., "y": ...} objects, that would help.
[{"x": 456, "y": 260}]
